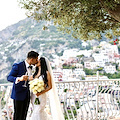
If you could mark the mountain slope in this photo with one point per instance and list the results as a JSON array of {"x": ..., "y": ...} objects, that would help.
[{"x": 17, "y": 40}]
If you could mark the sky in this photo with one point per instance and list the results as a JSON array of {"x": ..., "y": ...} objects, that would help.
[{"x": 10, "y": 13}]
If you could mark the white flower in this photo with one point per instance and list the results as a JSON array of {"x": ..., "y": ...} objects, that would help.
[
  {"x": 42, "y": 88},
  {"x": 31, "y": 82},
  {"x": 39, "y": 90},
  {"x": 42, "y": 83},
  {"x": 37, "y": 85},
  {"x": 34, "y": 91}
]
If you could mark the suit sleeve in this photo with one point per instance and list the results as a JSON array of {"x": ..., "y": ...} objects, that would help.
[{"x": 13, "y": 73}]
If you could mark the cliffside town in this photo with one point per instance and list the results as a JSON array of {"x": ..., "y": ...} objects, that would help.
[
  {"x": 71, "y": 59},
  {"x": 104, "y": 58}
]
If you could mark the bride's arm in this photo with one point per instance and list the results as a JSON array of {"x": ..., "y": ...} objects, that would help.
[{"x": 49, "y": 84}]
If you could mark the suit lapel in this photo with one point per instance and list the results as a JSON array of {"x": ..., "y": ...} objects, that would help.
[
  {"x": 25, "y": 70},
  {"x": 24, "y": 67}
]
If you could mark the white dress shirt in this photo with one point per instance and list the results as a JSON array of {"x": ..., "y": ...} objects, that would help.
[{"x": 28, "y": 72}]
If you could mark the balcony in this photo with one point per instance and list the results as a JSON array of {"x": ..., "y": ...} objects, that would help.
[{"x": 80, "y": 100}]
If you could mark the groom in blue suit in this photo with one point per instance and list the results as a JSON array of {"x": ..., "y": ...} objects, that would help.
[{"x": 20, "y": 91}]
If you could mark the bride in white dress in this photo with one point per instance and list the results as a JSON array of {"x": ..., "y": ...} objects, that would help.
[{"x": 44, "y": 70}]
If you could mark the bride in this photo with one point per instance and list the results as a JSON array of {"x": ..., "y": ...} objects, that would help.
[{"x": 44, "y": 70}]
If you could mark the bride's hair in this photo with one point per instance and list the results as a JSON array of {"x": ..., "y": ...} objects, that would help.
[{"x": 44, "y": 70}]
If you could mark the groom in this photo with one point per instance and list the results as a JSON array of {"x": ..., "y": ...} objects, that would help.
[{"x": 20, "y": 91}]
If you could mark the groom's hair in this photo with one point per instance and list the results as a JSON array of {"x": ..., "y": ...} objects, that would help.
[{"x": 32, "y": 54}]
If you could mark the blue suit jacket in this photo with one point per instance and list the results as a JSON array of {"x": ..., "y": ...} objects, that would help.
[{"x": 18, "y": 91}]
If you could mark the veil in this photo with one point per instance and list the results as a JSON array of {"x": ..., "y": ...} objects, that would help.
[{"x": 55, "y": 106}]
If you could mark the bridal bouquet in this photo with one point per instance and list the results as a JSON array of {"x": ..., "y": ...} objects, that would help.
[{"x": 37, "y": 85}]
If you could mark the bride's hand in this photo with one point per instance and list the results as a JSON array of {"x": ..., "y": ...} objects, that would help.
[{"x": 38, "y": 94}]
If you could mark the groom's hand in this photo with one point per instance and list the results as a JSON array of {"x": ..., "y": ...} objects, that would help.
[
  {"x": 23, "y": 78},
  {"x": 30, "y": 78}
]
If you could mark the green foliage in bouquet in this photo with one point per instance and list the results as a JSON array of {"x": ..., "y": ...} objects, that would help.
[{"x": 37, "y": 101}]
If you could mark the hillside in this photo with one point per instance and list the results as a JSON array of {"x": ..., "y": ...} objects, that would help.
[{"x": 16, "y": 40}]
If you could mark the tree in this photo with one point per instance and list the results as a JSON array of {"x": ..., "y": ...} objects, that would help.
[
  {"x": 88, "y": 71},
  {"x": 84, "y": 19},
  {"x": 80, "y": 57}
]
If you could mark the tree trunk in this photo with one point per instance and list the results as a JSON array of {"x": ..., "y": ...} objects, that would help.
[{"x": 115, "y": 13}]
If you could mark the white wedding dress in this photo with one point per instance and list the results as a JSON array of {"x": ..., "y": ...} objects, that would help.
[{"x": 39, "y": 111}]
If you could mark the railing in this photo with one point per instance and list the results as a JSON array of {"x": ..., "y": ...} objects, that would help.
[
  {"x": 80, "y": 100},
  {"x": 90, "y": 100}
]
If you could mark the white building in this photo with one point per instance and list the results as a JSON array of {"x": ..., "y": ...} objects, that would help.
[
  {"x": 67, "y": 73},
  {"x": 74, "y": 52},
  {"x": 78, "y": 65},
  {"x": 84, "y": 44},
  {"x": 110, "y": 50},
  {"x": 69, "y": 53},
  {"x": 93, "y": 65},
  {"x": 63, "y": 74},
  {"x": 101, "y": 58},
  {"x": 110, "y": 68},
  {"x": 78, "y": 73},
  {"x": 58, "y": 75},
  {"x": 57, "y": 62},
  {"x": 86, "y": 53}
]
